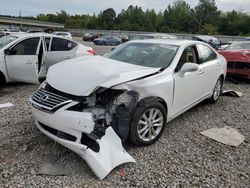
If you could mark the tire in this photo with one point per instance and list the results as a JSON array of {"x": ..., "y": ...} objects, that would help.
[
  {"x": 2, "y": 80},
  {"x": 217, "y": 91},
  {"x": 140, "y": 114}
]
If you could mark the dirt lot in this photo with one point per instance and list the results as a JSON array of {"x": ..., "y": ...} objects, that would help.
[{"x": 181, "y": 158}]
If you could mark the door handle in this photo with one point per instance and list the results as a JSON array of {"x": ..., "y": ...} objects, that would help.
[
  {"x": 218, "y": 63},
  {"x": 68, "y": 57},
  {"x": 200, "y": 71}
]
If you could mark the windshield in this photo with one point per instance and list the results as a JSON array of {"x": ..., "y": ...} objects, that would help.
[
  {"x": 6, "y": 40},
  {"x": 239, "y": 46},
  {"x": 145, "y": 54}
]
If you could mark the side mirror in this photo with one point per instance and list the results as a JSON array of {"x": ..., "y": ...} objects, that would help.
[
  {"x": 7, "y": 51},
  {"x": 189, "y": 67},
  {"x": 112, "y": 49}
]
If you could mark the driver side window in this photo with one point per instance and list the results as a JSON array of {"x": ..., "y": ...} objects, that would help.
[
  {"x": 26, "y": 47},
  {"x": 188, "y": 56}
]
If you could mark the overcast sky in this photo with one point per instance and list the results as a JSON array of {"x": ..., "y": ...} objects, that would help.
[{"x": 34, "y": 7}]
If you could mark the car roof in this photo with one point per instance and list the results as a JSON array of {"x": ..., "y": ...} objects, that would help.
[
  {"x": 24, "y": 35},
  {"x": 175, "y": 42},
  {"x": 62, "y": 32},
  {"x": 155, "y": 34}
]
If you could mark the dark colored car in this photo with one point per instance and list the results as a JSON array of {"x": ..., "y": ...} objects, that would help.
[
  {"x": 87, "y": 36},
  {"x": 35, "y": 31},
  {"x": 108, "y": 40},
  {"x": 91, "y": 37},
  {"x": 124, "y": 38},
  {"x": 212, "y": 41},
  {"x": 237, "y": 55}
]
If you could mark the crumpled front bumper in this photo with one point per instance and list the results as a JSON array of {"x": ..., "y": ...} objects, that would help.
[{"x": 64, "y": 122}]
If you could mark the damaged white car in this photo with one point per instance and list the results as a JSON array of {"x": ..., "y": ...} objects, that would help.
[
  {"x": 129, "y": 94},
  {"x": 27, "y": 57}
]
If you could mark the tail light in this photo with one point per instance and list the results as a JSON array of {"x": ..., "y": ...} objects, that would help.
[{"x": 91, "y": 52}]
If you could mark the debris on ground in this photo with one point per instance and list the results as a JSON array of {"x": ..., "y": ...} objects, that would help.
[
  {"x": 232, "y": 93},
  {"x": 225, "y": 135},
  {"x": 6, "y": 105},
  {"x": 56, "y": 169}
]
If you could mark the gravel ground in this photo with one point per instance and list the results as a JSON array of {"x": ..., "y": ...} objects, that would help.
[{"x": 181, "y": 158}]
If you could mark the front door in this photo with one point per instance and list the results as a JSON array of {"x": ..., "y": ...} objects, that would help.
[
  {"x": 188, "y": 87},
  {"x": 22, "y": 63}
]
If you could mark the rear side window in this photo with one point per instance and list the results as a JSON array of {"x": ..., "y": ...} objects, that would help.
[
  {"x": 59, "y": 44},
  {"x": 205, "y": 53},
  {"x": 26, "y": 47}
]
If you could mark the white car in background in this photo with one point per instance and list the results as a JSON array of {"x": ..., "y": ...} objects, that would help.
[
  {"x": 27, "y": 57},
  {"x": 66, "y": 35},
  {"x": 129, "y": 94}
]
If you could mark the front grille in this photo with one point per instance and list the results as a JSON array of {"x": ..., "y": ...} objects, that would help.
[
  {"x": 62, "y": 94},
  {"x": 58, "y": 133},
  {"x": 48, "y": 101},
  {"x": 238, "y": 65}
]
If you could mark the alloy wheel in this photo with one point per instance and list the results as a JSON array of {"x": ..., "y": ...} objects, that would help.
[{"x": 150, "y": 124}]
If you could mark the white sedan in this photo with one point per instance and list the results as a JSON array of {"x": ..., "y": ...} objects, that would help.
[
  {"x": 130, "y": 94},
  {"x": 66, "y": 35},
  {"x": 27, "y": 57}
]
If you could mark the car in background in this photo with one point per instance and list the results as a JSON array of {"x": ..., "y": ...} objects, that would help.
[
  {"x": 66, "y": 35},
  {"x": 130, "y": 94},
  {"x": 108, "y": 40},
  {"x": 212, "y": 41},
  {"x": 34, "y": 31},
  {"x": 27, "y": 57},
  {"x": 9, "y": 32},
  {"x": 91, "y": 37},
  {"x": 153, "y": 36},
  {"x": 246, "y": 39},
  {"x": 87, "y": 37},
  {"x": 237, "y": 55},
  {"x": 124, "y": 38}
]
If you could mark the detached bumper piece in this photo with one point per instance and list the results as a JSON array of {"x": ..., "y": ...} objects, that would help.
[{"x": 103, "y": 156}]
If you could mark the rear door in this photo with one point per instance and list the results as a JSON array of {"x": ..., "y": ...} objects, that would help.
[
  {"x": 209, "y": 67},
  {"x": 22, "y": 64},
  {"x": 59, "y": 50}
]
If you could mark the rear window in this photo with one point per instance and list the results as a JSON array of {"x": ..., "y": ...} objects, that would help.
[{"x": 59, "y": 44}]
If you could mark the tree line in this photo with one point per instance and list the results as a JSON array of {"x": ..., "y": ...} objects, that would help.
[{"x": 179, "y": 17}]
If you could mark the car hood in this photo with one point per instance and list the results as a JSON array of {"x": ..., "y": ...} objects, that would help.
[
  {"x": 81, "y": 76},
  {"x": 236, "y": 55}
]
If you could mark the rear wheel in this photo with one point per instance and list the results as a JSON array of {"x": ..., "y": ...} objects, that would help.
[
  {"x": 2, "y": 79},
  {"x": 148, "y": 124},
  {"x": 217, "y": 91}
]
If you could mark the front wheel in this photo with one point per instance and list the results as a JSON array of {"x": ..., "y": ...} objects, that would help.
[
  {"x": 148, "y": 124},
  {"x": 217, "y": 91}
]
